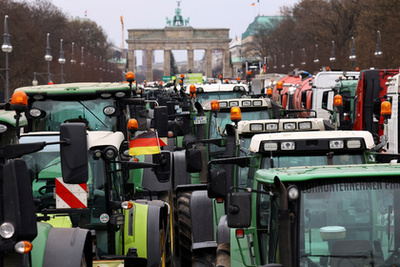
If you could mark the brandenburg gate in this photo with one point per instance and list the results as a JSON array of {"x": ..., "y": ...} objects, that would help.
[{"x": 177, "y": 35}]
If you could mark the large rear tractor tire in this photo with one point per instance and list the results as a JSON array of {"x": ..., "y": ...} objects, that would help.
[
  {"x": 223, "y": 255},
  {"x": 185, "y": 228},
  {"x": 204, "y": 258}
]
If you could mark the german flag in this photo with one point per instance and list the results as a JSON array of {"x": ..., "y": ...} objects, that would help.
[{"x": 144, "y": 144}]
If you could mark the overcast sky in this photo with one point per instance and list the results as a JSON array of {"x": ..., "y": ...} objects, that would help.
[{"x": 235, "y": 15}]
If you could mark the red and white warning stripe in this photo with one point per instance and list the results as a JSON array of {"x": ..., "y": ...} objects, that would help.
[{"x": 70, "y": 196}]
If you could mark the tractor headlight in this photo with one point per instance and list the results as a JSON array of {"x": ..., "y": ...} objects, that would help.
[
  {"x": 289, "y": 126},
  {"x": 287, "y": 145},
  {"x": 271, "y": 127},
  {"x": 305, "y": 125},
  {"x": 110, "y": 110},
  {"x": 353, "y": 144},
  {"x": 336, "y": 144},
  {"x": 256, "y": 127},
  {"x": 7, "y": 230},
  {"x": 293, "y": 192},
  {"x": 35, "y": 112}
]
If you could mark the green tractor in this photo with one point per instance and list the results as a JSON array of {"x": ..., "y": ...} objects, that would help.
[
  {"x": 267, "y": 151},
  {"x": 23, "y": 240},
  {"x": 337, "y": 215},
  {"x": 125, "y": 230}
]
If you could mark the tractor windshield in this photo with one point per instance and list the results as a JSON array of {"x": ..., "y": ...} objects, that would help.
[
  {"x": 200, "y": 97},
  {"x": 345, "y": 223},
  {"x": 45, "y": 167},
  {"x": 55, "y": 112},
  {"x": 282, "y": 161},
  {"x": 224, "y": 117}
]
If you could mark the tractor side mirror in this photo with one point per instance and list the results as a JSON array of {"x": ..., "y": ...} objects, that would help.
[
  {"x": 161, "y": 120},
  {"x": 73, "y": 150},
  {"x": 239, "y": 210},
  {"x": 163, "y": 168}
]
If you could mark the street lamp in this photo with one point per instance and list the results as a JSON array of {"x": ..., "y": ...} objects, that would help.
[
  {"x": 291, "y": 59},
  {"x": 352, "y": 56},
  {"x": 316, "y": 59},
  {"x": 82, "y": 58},
  {"x": 7, "y": 48},
  {"x": 62, "y": 60},
  {"x": 332, "y": 58},
  {"x": 48, "y": 58},
  {"x": 73, "y": 61},
  {"x": 378, "y": 51},
  {"x": 303, "y": 57},
  {"x": 283, "y": 61}
]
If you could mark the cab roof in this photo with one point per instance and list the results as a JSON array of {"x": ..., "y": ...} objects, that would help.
[
  {"x": 239, "y": 102},
  {"x": 87, "y": 87},
  {"x": 219, "y": 87},
  {"x": 334, "y": 135},
  {"x": 279, "y": 125}
]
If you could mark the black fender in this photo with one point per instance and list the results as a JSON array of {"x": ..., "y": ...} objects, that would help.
[
  {"x": 153, "y": 236},
  {"x": 65, "y": 247},
  {"x": 223, "y": 231},
  {"x": 201, "y": 212},
  {"x": 180, "y": 175}
]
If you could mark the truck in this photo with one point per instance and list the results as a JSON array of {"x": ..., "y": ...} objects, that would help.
[
  {"x": 282, "y": 86},
  {"x": 325, "y": 81},
  {"x": 302, "y": 97},
  {"x": 261, "y": 82},
  {"x": 370, "y": 93},
  {"x": 343, "y": 115},
  {"x": 392, "y": 95},
  {"x": 23, "y": 240}
]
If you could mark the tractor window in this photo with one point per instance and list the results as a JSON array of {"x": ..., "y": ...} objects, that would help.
[
  {"x": 200, "y": 97},
  {"x": 281, "y": 161},
  {"x": 87, "y": 111},
  {"x": 225, "y": 118},
  {"x": 350, "y": 223}
]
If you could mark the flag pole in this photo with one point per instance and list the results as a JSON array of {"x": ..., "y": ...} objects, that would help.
[{"x": 158, "y": 141}]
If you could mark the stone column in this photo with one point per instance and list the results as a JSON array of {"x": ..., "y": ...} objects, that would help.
[
  {"x": 190, "y": 56},
  {"x": 149, "y": 65},
  {"x": 131, "y": 60},
  {"x": 167, "y": 62},
  {"x": 208, "y": 63},
  {"x": 226, "y": 63}
]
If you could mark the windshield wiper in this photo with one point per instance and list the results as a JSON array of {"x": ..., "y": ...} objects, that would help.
[
  {"x": 48, "y": 166},
  {"x": 92, "y": 113}
]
